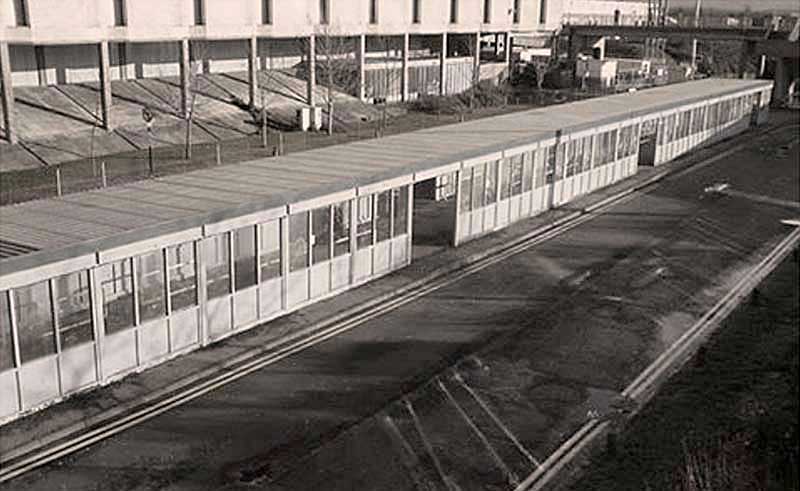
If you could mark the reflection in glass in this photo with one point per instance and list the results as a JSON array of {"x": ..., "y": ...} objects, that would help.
[
  {"x": 364, "y": 222},
  {"x": 116, "y": 285},
  {"x": 218, "y": 266},
  {"x": 150, "y": 282},
  {"x": 383, "y": 216},
  {"x": 341, "y": 228},
  {"x": 182, "y": 276},
  {"x": 321, "y": 238},
  {"x": 244, "y": 257},
  {"x": 298, "y": 241},
  {"x": 270, "y": 250},
  {"x": 73, "y": 308},
  {"x": 34, "y": 311},
  {"x": 6, "y": 339},
  {"x": 490, "y": 197}
]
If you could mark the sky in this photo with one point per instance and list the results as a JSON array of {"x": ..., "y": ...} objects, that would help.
[{"x": 755, "y": 5}]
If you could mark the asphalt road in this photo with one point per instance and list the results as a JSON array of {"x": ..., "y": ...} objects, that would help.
[{"x": 541, "y": 339}]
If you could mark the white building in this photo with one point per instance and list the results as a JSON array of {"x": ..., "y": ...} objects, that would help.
[{"x": 55, "y": 42}]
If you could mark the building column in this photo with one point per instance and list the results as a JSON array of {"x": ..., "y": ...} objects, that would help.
[
  {"x": 185, "y": 68},
  {"x": 476, "y": 75},
  {"x": 507, "y": 48},
  {"x": 252, "y": 70},
  {"x": 404, "y": 69},
  {"x": 8, "y": 94},
  {"x": 443, "y": 66},
  {"x": 312, "y": 71},
  {"x": 361, "y": 53},
  {"x": 105, "y": 85}
]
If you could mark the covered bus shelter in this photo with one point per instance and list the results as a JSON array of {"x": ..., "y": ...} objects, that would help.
[{"x": 98, "y": 284}]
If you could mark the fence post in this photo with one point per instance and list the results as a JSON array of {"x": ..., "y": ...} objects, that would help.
[
  {"x": 103, "y": 173},
  {"x": 218, "y": 153},
  {"x": 58, "y": 180}
]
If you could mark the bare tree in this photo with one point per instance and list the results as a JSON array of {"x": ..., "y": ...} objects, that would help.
[
  {"x": 389, "y": 83},
  {"x": 336, "y": 67}
]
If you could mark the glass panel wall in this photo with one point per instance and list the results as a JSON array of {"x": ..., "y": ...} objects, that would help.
[
  {"x": 34, "y": 311},
  {"x": 270, "y": 250},
  {"x": 298, "y": 241},
  {"x": 588, "y": 146},
  {"x": 321, "y": 235},
  {"x": 73, "y": 309},
  {"x": 516, "y": 175},
  {"x": 364, "y": 222},
  {"x": 182, "y": 269},
  {"x": 527, "y": 172},
  {"x": 505, "y": 179},
  {"x": 6, "y": 337},
  {"x": 341, "y": 228},
  {"x": 466, "y": 190},
  {"x": 218, "y": 265},
  {"x": 150, "y": 283},
  {"x": 400, "y": 196},
  {"x": 244, "y": 257},
  {"x": 551, "y": 155},
  {"x": 572, "y": 161},
  {"x": 539, "y": 168},
  {"x": 490, "y": 197},
  {"x": 478, "y": 186},
  {"x": 116, "y": 285},
  {"x": 383, "y": 216}
]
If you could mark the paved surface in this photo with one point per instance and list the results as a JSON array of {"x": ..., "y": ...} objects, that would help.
[
  {"x": 55, "y": 123},
  {"x": 541, "y": 339}
]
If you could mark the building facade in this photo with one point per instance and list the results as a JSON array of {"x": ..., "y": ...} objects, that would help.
[{"x": 52, "y": 42}]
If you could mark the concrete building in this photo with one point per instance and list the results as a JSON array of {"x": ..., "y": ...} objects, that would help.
[{"x": 400, "y": 48}]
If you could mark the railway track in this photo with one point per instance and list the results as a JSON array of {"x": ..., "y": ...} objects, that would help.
[{"x": 13, "y": 465}]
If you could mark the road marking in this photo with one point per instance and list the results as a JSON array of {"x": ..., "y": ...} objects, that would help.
[
  {"x": 758, "y": 198},
  {"x": 510, "y": 475},
  {"x": 457, "y": 376},
  {"x": 644, "y": 384},
  {"x": 427, "y": 444}
]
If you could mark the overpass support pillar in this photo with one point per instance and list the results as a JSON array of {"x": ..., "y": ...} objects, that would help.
[
  {"x": 105, "y": 85},
  {"x": 252, "y": 70},
  {"x": 7, "y": 94},
  {"x": 443, "y": 66},
  {"x": 404, "y": 68}
]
